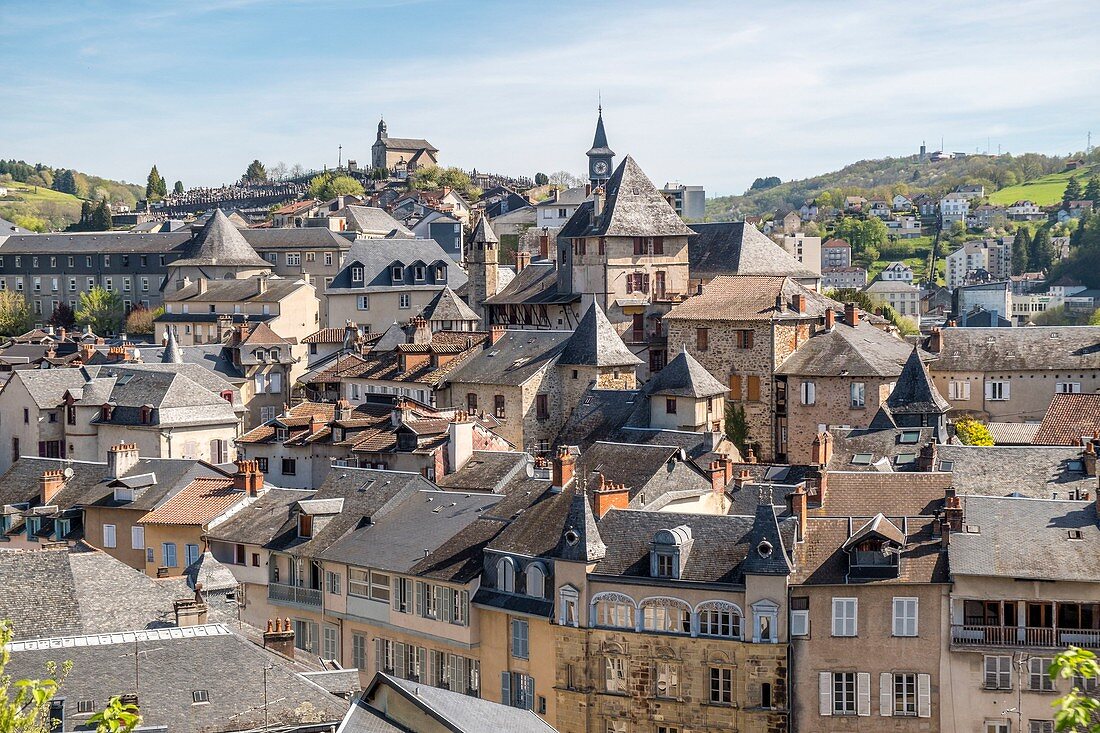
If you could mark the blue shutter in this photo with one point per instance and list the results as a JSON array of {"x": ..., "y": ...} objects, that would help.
[{"x": 506, "y": 688}]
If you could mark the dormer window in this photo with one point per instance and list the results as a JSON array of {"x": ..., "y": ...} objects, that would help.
[
  {"x": 305, "y": 526},
  {"x": 418, "y": 273},
  {"x": 874, "y": 551},
  {"x": 440, "y": 273},
  {"x": 536, "y": 580},
  {"x": 281, "y": 433},
  {"x": 261, "y": 355},
  {"x": 669, "y": 550},
  {"x": 506, "y": 575},
  {"x": 357, "y": 274},
  {"x": 124, "y": 494},
  {"x": 274, "y": 355},
  {"x": 146, "y": 414},
  {"x": 397, "y": 273},
  {"x": 105, "y": 412}
]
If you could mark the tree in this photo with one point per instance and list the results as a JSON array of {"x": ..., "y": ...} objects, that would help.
[
  {"x": 432, "y": 176},
  {"x": 1076, "y": 711},
  {"x": 15, "y": 314},
  {"x": 65, "y": 182},
  {"x": 255, "y": 173},
  {"x": 541, "y": 179},
  {"x": 116, "y": 717},
  {"x": 1041, "y": 250},
  {"x": 277, "y": 172},
  {"x": 155, "y": 186},
  {"x": 762, "y": 184},
  {"x": 1020, "y": 246},
  {"x": 62, "y": 316},
  {"x": 566, "y": 179},
  {"x": 972, "y": 432},
  {"x": 178, "y": 187},
  {"x": 25, "y": 704},
  {"x": 737, "y": 426},
  {"x": 101, "y": 309},
  {"x": 140, "y": 320},
  {"x": 327, "y": 186},
  {"x": 1092, "y": 191},
  {"x": 1072, "y": 192},
  {"x": 1094, "y": 320},
  {"x": 101, "y": 216},
  {"x": 297, "y": 171}
]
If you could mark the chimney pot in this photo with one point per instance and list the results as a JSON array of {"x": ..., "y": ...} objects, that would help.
[
  {"x": 563, "y": 466},
  {"x": 830, "y": 319},
  {"x": 851, "y": 314}
]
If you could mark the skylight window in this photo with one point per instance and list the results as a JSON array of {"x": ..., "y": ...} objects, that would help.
[
  {"x": 862, "y": 459},
  {"x": 909, "y": 436},
  {"x": 198, "y": 696},
  {"x": 904, "y": 459},
  {"x": 947, "y": 466}
]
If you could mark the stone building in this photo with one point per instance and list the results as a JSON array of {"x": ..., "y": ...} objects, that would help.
[
  {"x": 739, "y": 248},
  {"x": 404, "y": 154}
]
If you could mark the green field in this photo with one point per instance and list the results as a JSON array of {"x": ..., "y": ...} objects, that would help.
[
  {"x": 1046, "y": 190},
  {"x": 57, "y": 209}
]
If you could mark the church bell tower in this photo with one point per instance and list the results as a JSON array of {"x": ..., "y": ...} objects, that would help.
[{"x": 600, "y": 157}]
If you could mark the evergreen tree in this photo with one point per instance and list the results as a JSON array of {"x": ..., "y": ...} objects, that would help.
[
  {"x": 1073, "y": 192},
  {"x": 155, "y": 186},
  {"x": 541, "y": 179},
  {"x": 101, "y": 216},
  {"x": 1092, "y": 191},
  {"x": 178, "y": 188},
  {"x": 65, "y": 182},
  {"x": 86, "y": 209},
  {"x": 1020, "y": 252},
  {"x": 1041, "y": 251},
  {"x": 256, "y": 173}
]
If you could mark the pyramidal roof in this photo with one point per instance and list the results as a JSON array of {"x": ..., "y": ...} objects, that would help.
[
  {"x": 914, "y": 391},
  {"x": 483, "y": 232},
  {"x": 599, "y": 142},
  {"x": 219, "y": 243},
  {"x": 635, "y": 208},
  {"x": 391, "y": 338},
  {"x": 596, "y": 343},
  {"x": 580, "y": 540},
  {"x": 767, "y": 555},
  {"x": 447, "y": 306},
  {"x": 172, "y": 352},
  {"x": 685, "y": 377}
]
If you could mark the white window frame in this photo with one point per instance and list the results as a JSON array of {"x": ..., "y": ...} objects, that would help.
[
  {"x": 1067, "y": 387},
  {"x": 808, "y": 391},
  {"x": 998, "y": 666},
  {"x": 845, "y": 624},
  {"x": 137, "y": 537},
  {"x": 109, "y": 536},
  {"x": 857, "y": 394},
  {"x": 998, "y": 390},
  {"x": 905, "y": 616}
]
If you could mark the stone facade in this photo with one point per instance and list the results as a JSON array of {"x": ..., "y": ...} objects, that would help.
[{"x": 833, "y": 406}]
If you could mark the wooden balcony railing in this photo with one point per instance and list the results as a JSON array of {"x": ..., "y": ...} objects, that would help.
[{"x": 1023, "y": 636}]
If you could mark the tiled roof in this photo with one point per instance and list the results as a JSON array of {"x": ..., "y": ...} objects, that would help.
[
  {"x": 1014, "y": 433},
  {"x": 326, "y": 336},
  {"x": 1069, "y": 418},
  {"x": 867, "y": 493},
  {"x": 199, "y": 502},
  {"x": 751, "y": 298},
  {"x": 821, "y": 561},
  {"x": 860, "y": 351}
]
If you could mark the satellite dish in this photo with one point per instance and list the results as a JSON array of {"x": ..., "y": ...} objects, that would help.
[{"x": 68, "y": 472}]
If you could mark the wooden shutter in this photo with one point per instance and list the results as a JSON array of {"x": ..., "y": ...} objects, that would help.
[
  {"x": 754, "y": 388},
  {"x": 863, "y": 693},
  {"x": 747, "y": 339},
  {"x": 825, "y": 692},
  {"x": 506, "y": 688},
  {"x": 924, "y": 696},
  {"x": 735, "y": 387},
  {"x": 886, "y": 694},
  {"x": 989, "y": 390}
]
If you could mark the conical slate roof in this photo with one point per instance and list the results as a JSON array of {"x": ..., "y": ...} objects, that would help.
[
  {"x": 172, "y": 352},
  {"x": 219, "y": 243},
  {"x": 599, "y": 142},
  {"x": 685, "y": 377},
  {"x": 580, "y": 539},
  {"x": 447, "y": 306},
  {"x": 914, "y": 392},
  {"x": 212, "y": 574},
  {"x": 596, "y": 343},
  {"x": 391, "y": 338},
  {"x": 483, "y": 232}
]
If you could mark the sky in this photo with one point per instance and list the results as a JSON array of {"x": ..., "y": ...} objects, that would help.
[{"x": 704, "y": 93}]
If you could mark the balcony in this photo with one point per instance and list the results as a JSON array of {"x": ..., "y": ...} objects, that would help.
[
  {"x": 968, "y": 635},
  {"x": 293, "y": 595}
]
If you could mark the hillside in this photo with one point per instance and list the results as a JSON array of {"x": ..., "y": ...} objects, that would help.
[
  {"x": 43, "y": 197},
  {"x": 886, "y": 176},
  {"x": 37, "y": 207},
  {"x": 1045, "y": 190}
]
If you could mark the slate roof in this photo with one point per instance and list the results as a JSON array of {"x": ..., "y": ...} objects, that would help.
[
  {"x": 685, "y": 377},
  {"x": 865, "y": 494},
  {"x": 261, "y": 521},
  {"x": 372, "y": 220},
  {"x": 171, "y": 353},
  {"x": 220, "y": 243},
  {"x": 102, "y": 242},
  {"x": 751, "y": 298},
  {"x": 377, "y": 255},
  {"x": 1027, "y": 539},
  {"x": 634, "y": 208},
  {"x": 1032, "y": 471},
  {"x": 199, "y": 502},
  {"x": 408, "y": 143},
  {"x": 648, "y": 468},
  {"x": 739, "y": 248},
  {"x": 595, "y": 342},
  {"x": 535, "y": 284},
  {"x": 232, "y": 291},
  {"x": 386, "y": 364},
  {"x": 720, "y": 547},
  {"x": 513, "y": 359},
  {"x": 914, "y": 392},
  {"x": 1015, "y": 433},
  {"x": 62, "y": 591},
  {"x": 1035, "y": 348},
  {"x": 485, "y": 471},
  {"x": 1069, "y": 418},
  {"x": 294, "y": 238},
  {"x": 174, "y": 663},
  {"x": 820, "y": 559},
  {"x": 860, "y": 351},
  {"x": 599, "y": 140},
  {"x": 447, "y": 306},
  {"x": 767, "y": 551},
  {"x": 483, "y": 232}
]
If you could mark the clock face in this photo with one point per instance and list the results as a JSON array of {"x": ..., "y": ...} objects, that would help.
[{"x": 600, "y": 167}]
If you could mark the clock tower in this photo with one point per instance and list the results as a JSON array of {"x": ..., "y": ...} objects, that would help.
[{"x": 600, "y": 156}]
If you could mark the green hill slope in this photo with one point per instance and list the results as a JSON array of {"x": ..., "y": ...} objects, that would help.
[
  {"x": 42, "y": 197},
  {"x": 38, "y": 207},
  {"x": 1046, "y": 190}
]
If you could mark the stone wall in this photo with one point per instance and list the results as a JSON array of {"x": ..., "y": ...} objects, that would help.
[{"x": 832, "y": 406}]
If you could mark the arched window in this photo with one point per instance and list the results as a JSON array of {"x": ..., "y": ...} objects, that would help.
[
  {"x": 666, "y": 616},
  {"x": 613, "y": 610},
  {"x": 568, "y": 597},
  {"x": 719, "y": 618},
  {"x": 506, "y": 575},
  {"x": 536, "y": 580}
]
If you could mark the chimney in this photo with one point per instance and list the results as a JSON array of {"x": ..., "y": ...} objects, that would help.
[
  {"x": 191, "y": 611},
  {"x": 952, "y": 513},
  {"x": 121, "y": 458},
  {"x": 779, "y": 303},
  {"x": 821, "y": 450},
  {"x": 50, "y": 483},
  {"x": 799, "y": 302},
  {"x": 935, "y": 342},
  {"x": 750, "y": 455},
  {"x": 799, "y": 506},
  {"x": 830, "y": 319},
  {"x": 495, "y": 332},
  {"x": 86, "y": 352},
  {"x": 742, "y": 479},
  {"x": 279, "y": 637},
  {"x": 261, "y": 285},
  {"x": 248, "y": 477},
  {"x": 523, "y": 258},
  {"x": 717, "y": 477},
  {"x": 61, "y": 334},
  {"x": 597, "y": 202},
  {"x": 609, "y": 496},
  {"x": 816, "y": 483},
  {"x": 927, "y": 459},
  {"x": 316, "y": 422},
  {"x": 1088, "y": 458},
  {"x": 422, "y": 333},
  {"x": 562, "y": 471},
  {"x": 343, "y": 410},
  {"x": 460, "y": 440},
  {"x": 851, "y": 314},
  {"x": 202, "y": 284},
  {"x": 587, "y": 191}
]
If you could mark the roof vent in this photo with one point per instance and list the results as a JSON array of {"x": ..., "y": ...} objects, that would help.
[
  {"x": 764, "y": 549},
  {"x": 572, "y": 537}
]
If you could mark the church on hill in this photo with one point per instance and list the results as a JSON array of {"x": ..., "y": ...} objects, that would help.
[{"x": 401, "y": 153}]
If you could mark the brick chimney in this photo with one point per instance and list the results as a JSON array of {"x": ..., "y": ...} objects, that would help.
[
  {"x": 343, "y": 410},
  {"x": 49, "y": 484},
  {"x": 952, "y": 520},
  {"x": 1088, "y": 458},
  {"x": 86, "y": 352},
  {"x": 422, "y": 333},
  {"x": 927, "y": 459},
  {"x": 750, "y": 455},
  {"x": 564, "y": 464},
  {"x": 821, "y": 450},
  {"x": 799, "y": 505},
  {"x": 935, "y": 342},
  {"x": 523, "y": 259},
  {"x": 495, "y": 332},
  {"x": 816, "y": 484},
  {"x": 121, "y": 458},
  {"x": 191, "y": 611},
  {"x": 717, "y": 474},
  {"x": 609, "y": 496},
  {"x": 248, "y": 478},
  {"x": 830, "y": 319},
  {"x": 851, "y": 314},
  {"x": 798, "y": 301},
  {"x": 742, "y": 479},
  {"x": 279, "y": 637}
]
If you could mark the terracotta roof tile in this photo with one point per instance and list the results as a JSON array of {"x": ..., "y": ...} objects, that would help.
[
  {"x": 1069, "y": 418},
  {"x": 199, "y": 502}
]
